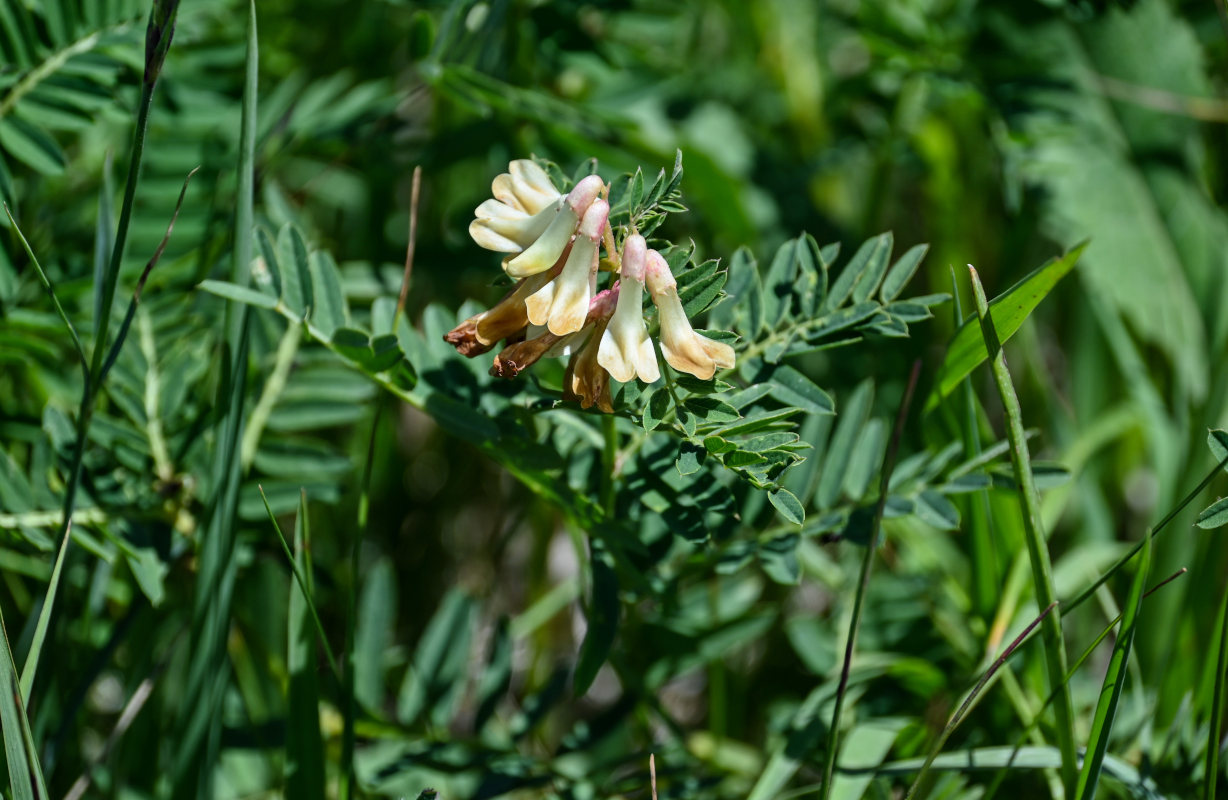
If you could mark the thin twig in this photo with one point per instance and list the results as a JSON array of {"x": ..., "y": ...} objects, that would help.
[
  {"x": 409, "y": 248},
  {"x": 652, "y": 773},
  {"x": 833, "y": 734}
]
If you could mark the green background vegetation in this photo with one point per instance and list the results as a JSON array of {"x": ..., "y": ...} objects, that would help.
[{"x": 467, "y": 586}]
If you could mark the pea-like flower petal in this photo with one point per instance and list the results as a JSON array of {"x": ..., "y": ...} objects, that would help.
[
  {"x": 527, "y": 187},
  {"x": 585, "y": 381},
  {"x": 545, "y": 251},
  {"x": 625, "y": 349},
  {"x": 506, "y": 319},
  {"x": 562, "y": 304},
  {"x": 505, "y": 229},
  {"x": 683, "y": 348}
]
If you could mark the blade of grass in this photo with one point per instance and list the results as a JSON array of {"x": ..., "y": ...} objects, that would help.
[
  {"x": 25, "y": 775},
  {"x": 350, "y": 702},
  {"x": 1038, "y": 552},
  {"x": 863, "y": 580},
  {"x": 985, "y": 578},
  {"x": 118, "y": 344},
  {"x": 55, "y": 301},
  {"x": 301, "y": 576},
  {"x": 304, "y": 749},
  {"x": 1074, "y": 668},
  {"x": 971, "y": 698},
  {"x": 44, "y": 618},
  {"x": 1211, "y": 778},
  {"x": 1110, "y": 690},
  {"x": 200, "y": 724}
]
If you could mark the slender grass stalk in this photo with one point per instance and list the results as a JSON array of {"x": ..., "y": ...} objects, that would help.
[
  {"x": 985, "y": 578},
  {"x": 863, "y": 581},
  {"x": 1114, "y": 679},
  {"x": 346, "y": 789},
  {"x": 200, "y": 722},
  {"x": 973, "y": 696},
  {"x": 1074, "y": 668},
  {"x": 296, "y": 569},
  {"x": 55, "y": 301},
  {"x": 1042, "y": 574},
  {"x": 1211, "y": 778},
  {"x": 1084, "y": 595},
  {"x": 44, "y": 618}
]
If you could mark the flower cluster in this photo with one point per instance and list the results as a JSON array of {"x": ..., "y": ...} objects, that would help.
[{"x": 554, "y": 242}]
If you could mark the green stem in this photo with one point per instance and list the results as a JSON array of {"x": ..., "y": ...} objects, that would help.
[
  {"x": 863, "y": 581},
  {"x": 1038, "y": 552},
  {"x": 1217, "y": 707},
  {"x": 273, "y": 387},
  {"x": 609, "y": 455}
]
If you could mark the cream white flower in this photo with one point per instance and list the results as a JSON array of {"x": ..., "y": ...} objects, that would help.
[
  {"x": 562, "y": 304},
  {"x": 683, "y": 348},
  {"x": 524, "y": 206},
  {"x": 528, "y": 188},
  {"x": 552, "y": 240},
  {"x": 625, "y": 349}
]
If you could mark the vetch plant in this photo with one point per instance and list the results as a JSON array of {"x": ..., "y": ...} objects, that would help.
[{"x": 554, "y": 241}]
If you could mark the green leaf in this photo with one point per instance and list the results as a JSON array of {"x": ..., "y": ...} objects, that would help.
[
  {"x": 1214, "y": 515},
  {"x": 690, "y": 459},
  {"x": 867, "y": 458},
  {"x": 440, "y": 658},
  {"x": 778, "y": 284},
  {"x": 241, "y": 294},
  {"x": 901, "y": 272},
  {"x": 1217, "y": 440},
  {"x": 296, "y": 289},
  {"x": 603, "y": 614},
  {"x": 793, "y": 388},
  {"x": 31, "y": 145},
  {"x": 861, "y": 276},
  {"x": 658, "y": 405},
  {"x": 710, "y": 409},
  {"x": 375, "y": 629},
  {"x": 1008, "y": 311},
  {"x": 788, "y": 505},
  {"x": 779, "y": 558},
  {"x": 330, "y": 311},
  {"x": 935, "y": 509},
  {"x": 353, "y": 344},
  {"x": 840, "y": 450}
]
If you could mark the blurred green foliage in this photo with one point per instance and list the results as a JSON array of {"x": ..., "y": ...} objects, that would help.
[{"x": 457, "y": 543}]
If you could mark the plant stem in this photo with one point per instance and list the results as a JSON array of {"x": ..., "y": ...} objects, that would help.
[
  {"x": 1217, "y": 706},
  {"x": 863, "y": 581},
  {"x": 1038, "y": 552}
]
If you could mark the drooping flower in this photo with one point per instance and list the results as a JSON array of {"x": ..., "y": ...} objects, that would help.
[
  {"x": 505, "y": 320},
  {"x": 625, "y": 349},
  {"x": 563, "y": 303},
  {"x": 683, "y": 348},
  {"x": 585, "y": 381},
  {"x": 519, "y": 356}
]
